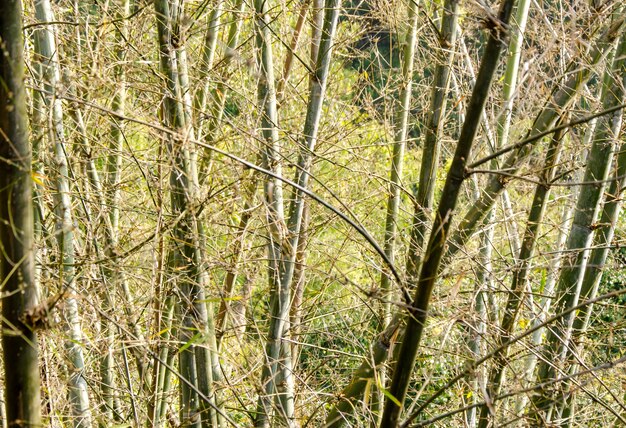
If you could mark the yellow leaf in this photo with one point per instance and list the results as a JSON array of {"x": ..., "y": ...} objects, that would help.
[{"x": 38, "y": 178}]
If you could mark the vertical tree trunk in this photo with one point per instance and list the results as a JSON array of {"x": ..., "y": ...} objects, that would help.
[
  {"x": 558, "y": 102},
  {"x": 206, "y": 65},
  {"x": 196, "y": 363},
  {"x": 47, "y": 55},
  {"x": 587, "y": 208},
  {"x": 520, "y": 275},
  {"x": 299, "y": 276},
  {"x": 595, "y": 269},
  {"x": 285, "y": 243},
  {"x": 274, "y": 204},
  {"x": 401, "y": 125},
  {"x": 432, "y": 143},
  {"x": 17, "y": 258},
  {"x": 216, "y": 98},
  {"x": 436, "y": 244}
]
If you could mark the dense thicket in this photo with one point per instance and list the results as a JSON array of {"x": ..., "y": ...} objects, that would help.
[{"x": 312, "y": 213}]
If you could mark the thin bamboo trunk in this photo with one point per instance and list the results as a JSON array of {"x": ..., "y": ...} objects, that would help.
[
  {"x": 291, "y": 52},
  {"x": 277, "y": 368},
  {"x": 483, "y": 314},
  {"x": 206, "y": 66},
  {"x": 299, "y": 280},
  {"x": 559, "y": 101},
  {"x": 274, "y": 204},
  {"x": 47, "y": 54},
  {"x": 504, "y": 123},
  {"x": 594, "y": 271},
  {"x": 432, "y": 143},
  {"x": 570, "y": 280},
  {"x": 206, "y": 360},
  {"x": 187, "y": 259},
  {"x": 217, "y": 97},
  {"x": 509, "y": 88},
  {"x": 17, "y": 259},
  {"x": 299, "y": 276},
  {"x": 436, "y": 244},
  {"x": 520, "y": 276},
  {"x": 401, "y": 125},
  {"x": 107, "y": 376},
  {"x": 161, "y": 375},
  {"x": 548, "y": 285}
]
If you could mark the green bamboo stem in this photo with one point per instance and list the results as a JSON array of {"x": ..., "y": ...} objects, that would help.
[
  {"x": 545, "y": 304},
  {"x": 401, "y": 125},
  {"x": 47, "y": 54},
  {"x": 520, "y": 275},
  {"x": 17, "y": 261},
  {"x": 196, "y": 362},
  {"x": 173, "y": 115},
  {"x": 317, "y": 22},
  {"x": 483, "y": 312},
  {"x": 570, "y": 280},
  {"x": 216, "y": 98},
  {"x": 559, "y": 101},
  {"x": 285, "y": 251},
  {"x": 107, "y": 386},
  {"x": 206, "y": 359},
  {"x": 595, "y": 267},
  {"x": 161, "y": 375},
  {"x": 525, "y": 253},
  {"x": 206, "y": 65},
  {"x": 432, "y": 143},
  {"x": 436, "y": 244},
  {"x": 299, "y": 279},
  {"x": 317, "y": 89},
  {"x": 113, "y": 176},
  {"x": 274, "y": 200},
  {"x": 113, "y": 180},
  {"x": 299, "y": 276}
]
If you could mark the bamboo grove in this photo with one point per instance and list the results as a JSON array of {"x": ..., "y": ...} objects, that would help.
[{"x": 312, "y": 213}]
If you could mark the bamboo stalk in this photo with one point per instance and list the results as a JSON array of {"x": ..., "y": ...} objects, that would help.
[
  {"x": 424, "y": 198},
  {"x": 197, "y": 363},
  {"x": 436, "y": 244},
  {"x": 17, "y": 259},
  {"x": 520, "y": 275},
  {"x": 275, "y": 212},
  {"x": 217, "y": 97},
  {"x": 559, "y": 101},
  {"x": 570, "y": 280},
  {"x": 47, "y": 53},
  {"x": 595, "y": 268}
]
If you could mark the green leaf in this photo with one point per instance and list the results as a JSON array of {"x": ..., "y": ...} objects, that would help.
[
  {"x": 193, "y": 340},
  {"x": 388, "y": 394}
]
